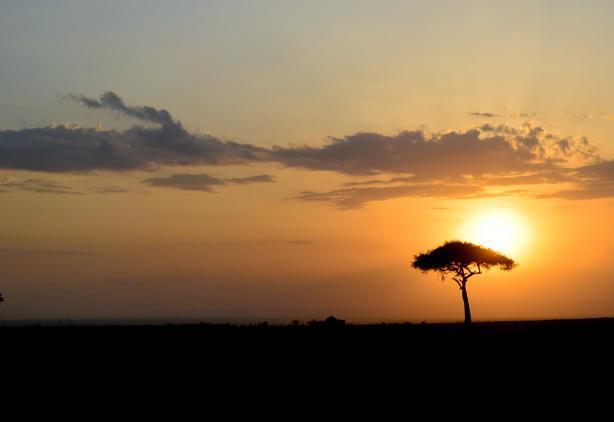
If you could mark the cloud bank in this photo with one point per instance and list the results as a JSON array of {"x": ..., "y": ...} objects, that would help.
[
  {"x": 455, "y": 164},
  {"x": 485, "y": 150},
  {"x": 75, "y": 149},
  {"x": 452, "y": 164}
]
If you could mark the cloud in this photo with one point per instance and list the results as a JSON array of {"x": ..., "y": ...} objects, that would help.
[
  {"x": 463, "y": 165},
  {"x": 600, "y": 171},
  {"x": 203, "y": 182},
  {"x": 522, "y": 115},
  {"x": 353, "y": 198},
  {"x": 111, "y": 189},
  {"x": 199, "y": 182},
  {"x": 110, "y": 100},
  {"x": 299, "y": 242},
  {"x": 71, "y": 148},
  {"x": 484, "y": 114},
  {"x": 485, "y": 150},
  {"x": 76, "y": 149},
  {"x": 40, "y": 185},
  {"x": 60, "y": 252},
  {"x": 37, "y": 185},
  {"x": 411, "y": 163},
  {"x": 251, "y": 179},
  {"x": 550, "y": 176},
  {"x": 583, "y": 192},
  {"x": 591, "y": 182}
]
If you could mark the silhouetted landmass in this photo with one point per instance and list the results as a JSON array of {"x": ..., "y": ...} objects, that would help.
[
  {"x": 330, "y": 332},
  {"x": 313, "y": 350}
]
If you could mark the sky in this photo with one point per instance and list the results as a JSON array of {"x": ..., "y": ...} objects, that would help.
[{"x": 287, "y": 159}]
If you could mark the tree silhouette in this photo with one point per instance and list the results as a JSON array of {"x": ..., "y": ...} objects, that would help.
[{"x": 461, "y": 260}]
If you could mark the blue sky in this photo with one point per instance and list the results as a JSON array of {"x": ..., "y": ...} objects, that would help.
[{"x": 279, "y": 72}]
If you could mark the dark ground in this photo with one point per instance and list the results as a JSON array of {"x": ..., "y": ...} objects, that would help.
[
  {"x": 318, "y": 338},
  {"x": 316, "y": 362}
]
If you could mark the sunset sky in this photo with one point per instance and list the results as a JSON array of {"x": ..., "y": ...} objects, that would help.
[{"x": 287, "y": 159}]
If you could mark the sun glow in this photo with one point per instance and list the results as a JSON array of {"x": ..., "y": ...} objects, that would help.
[{"x": 502, "y": 230}]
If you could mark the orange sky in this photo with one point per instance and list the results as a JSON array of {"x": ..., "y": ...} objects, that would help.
[{"x": 291, "y": 168}]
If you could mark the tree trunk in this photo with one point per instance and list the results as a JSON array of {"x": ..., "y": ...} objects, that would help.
[{"x": 466, "y": 303}]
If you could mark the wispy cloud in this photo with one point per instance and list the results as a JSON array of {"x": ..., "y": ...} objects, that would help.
[
  {"x": 591, "y": 182},
  {"x": 483, "y": 114},
  {"x": 60, "y": 252},
  {"x": 261, "y": 178},
  {"x": 37, "y": 185},
  {"x": 353, "y": 198},
  {"x": 203, "y": 182},
  {"x": 110, "y": 100},
  {"x": 111, "y": 189}
]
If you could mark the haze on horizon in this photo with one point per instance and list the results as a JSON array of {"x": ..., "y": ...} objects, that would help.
[{"x": 273, "y": 159}]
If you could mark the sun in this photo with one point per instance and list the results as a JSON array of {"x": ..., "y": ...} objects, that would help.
[{"x": 503, "y": 230}]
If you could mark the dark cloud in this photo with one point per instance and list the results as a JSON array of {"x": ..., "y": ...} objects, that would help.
[
  {"x": 60, "y": 149},
  {"x": 456, "y": 165},
  {"x": 203, "y": 182},
  {"x": 75, "y": 149},
  {"x": 412, "y": 163},
  {"x": 601, "y": 171},
  {"x": 261, "y": 178},
  {"x": 591, "y": 182},
  {"x": 199, "y": 182},
  {"x": 38, "y": 186},
  {"x": 486, "y": 150},
  {"x": 111, "y": 189},
  {"x": 110, "y": 100},
  {"x": 408, "y": 152}
]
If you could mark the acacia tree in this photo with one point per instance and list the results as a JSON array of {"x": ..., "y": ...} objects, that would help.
[{"x": 461, "y": 261}]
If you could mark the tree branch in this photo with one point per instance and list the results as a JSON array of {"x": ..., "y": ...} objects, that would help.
[
  {"x": 457, "y": 282},
  {"x": 472, "y": 273}
]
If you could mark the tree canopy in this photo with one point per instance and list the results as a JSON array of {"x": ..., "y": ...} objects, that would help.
[{"x": 455, "y": 255}]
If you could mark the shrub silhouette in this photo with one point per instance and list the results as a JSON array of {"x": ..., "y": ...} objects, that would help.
[{"x": 461, "y": 260}]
